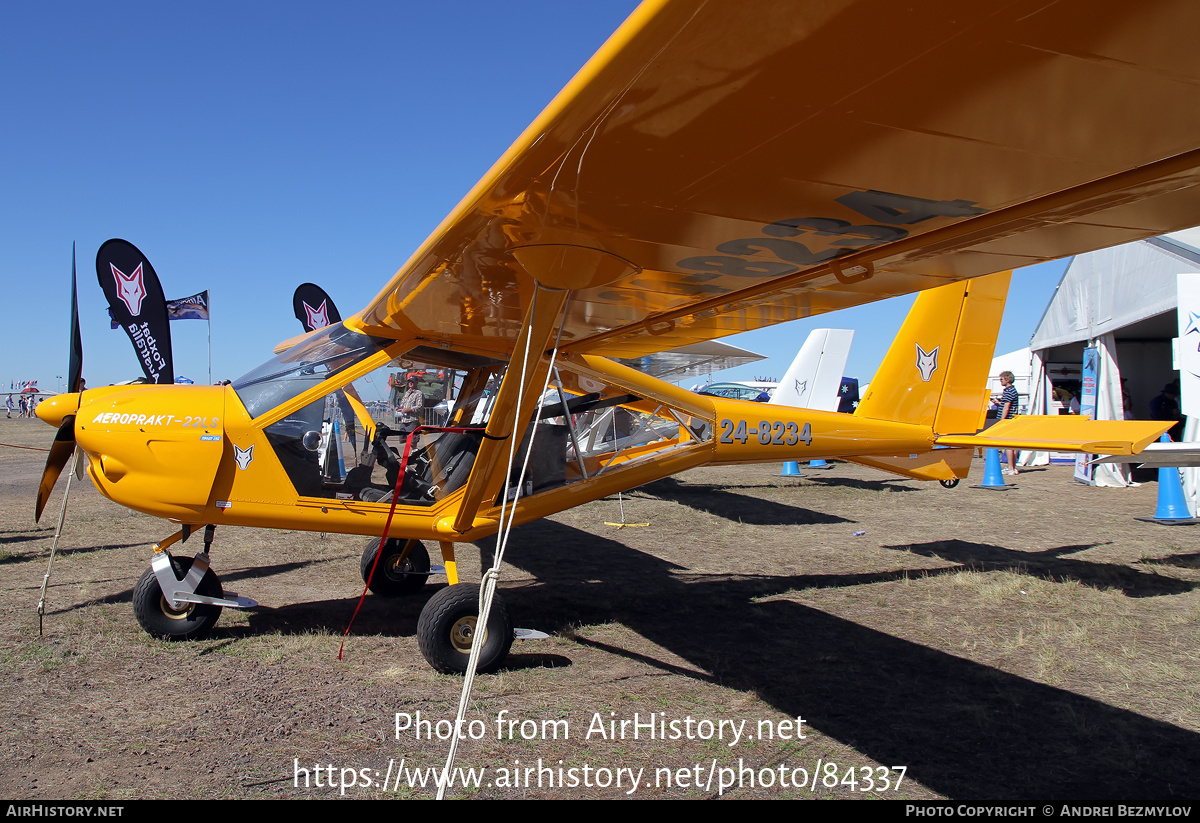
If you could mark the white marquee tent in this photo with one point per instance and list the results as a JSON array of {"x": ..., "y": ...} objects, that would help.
[{"x": 1123, "y": 301}]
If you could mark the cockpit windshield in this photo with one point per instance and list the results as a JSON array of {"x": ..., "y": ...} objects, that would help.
[{"x": 301, "y": 367}]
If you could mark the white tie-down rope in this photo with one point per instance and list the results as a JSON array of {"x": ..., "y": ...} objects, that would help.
[
  {"x": 62, "y": 518},
  {"x": 491, "y": 577}
]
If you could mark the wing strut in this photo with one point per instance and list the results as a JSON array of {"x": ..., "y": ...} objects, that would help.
[
  {"x": 541, "y": 325},
  {"x": 491, "y": 577}
]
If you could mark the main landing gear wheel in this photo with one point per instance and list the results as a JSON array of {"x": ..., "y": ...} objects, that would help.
[
  {"x": 160, "y": 619},
  {"x": 449, "y": 621},
  {"x": 949, "y": 484},
  {"x": 396, "y": 573}
]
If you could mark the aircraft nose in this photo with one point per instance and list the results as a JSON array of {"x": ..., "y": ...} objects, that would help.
[{"x": 54, "y": 409}]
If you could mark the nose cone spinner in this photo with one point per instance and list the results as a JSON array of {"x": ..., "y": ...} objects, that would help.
[{"x": 54, "y": 409}]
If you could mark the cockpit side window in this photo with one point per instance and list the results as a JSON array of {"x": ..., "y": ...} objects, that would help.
[
  {"x": 303, "y": 366},
  {"x": 349, "y": 443}
]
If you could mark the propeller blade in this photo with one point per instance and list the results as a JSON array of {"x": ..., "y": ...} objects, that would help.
[
  {"x": 60, "y": 453},
  {"x": 75, "y": 368}
]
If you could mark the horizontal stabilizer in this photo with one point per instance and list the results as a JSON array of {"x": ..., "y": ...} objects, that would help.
[
  {"x": 1064, "y": 433},
  {"x": 1162, "y": 455}
]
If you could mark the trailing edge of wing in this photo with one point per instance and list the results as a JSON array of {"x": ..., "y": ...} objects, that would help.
[
  {"x": 284, "y": 345},
  {"x": 693, "y": 360},
  {"x": 1068, "y": 433}
]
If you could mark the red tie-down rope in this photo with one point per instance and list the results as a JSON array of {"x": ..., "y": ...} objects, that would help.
[{"x": 392, "y": 510}]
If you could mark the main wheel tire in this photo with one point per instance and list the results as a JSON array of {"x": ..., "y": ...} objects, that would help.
[
  {"x": 949, "y": 484},
  {"x": 395, "y": 576},
  {"x": 158, "y": 618},
  {"x": 448, "y": 622}
]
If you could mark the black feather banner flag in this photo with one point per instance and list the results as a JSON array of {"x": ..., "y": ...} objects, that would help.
[
  {"x": 136, "y": 299},
  {"x": 314, "y": 308}
]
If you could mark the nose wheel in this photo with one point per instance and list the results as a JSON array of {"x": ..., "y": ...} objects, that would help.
[
  {"x": 180, "y": 598},
  {"x": 171, "y": 619},
  {"x": 449, "y": 624}
]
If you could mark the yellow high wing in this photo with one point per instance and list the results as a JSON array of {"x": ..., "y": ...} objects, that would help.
[{"x": 718, "y": 167}]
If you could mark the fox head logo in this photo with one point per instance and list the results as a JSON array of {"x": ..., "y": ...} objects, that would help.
[
  {"x": 801, "y": 387},
  {"x": 926, "y": 362},
  {"x": 130, "y": 288},
  {"x": 317, "y": 318},
  {"x": 243, "y": 456}
]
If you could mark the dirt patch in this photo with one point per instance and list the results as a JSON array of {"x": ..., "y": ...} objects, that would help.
[{"x": 1037, "y": 643}]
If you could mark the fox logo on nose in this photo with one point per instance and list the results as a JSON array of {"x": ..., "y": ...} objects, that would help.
[
  {"x": 243, "y": 456},
  {"x": 926, "y": 362}
]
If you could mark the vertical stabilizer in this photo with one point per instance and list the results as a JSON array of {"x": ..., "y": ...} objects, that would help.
[
  {"x": 935, "y": 373},
  {"x": 813, "y": 379}
]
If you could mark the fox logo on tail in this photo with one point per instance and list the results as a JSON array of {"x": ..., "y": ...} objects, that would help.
[{"x": 926, "y": 362}]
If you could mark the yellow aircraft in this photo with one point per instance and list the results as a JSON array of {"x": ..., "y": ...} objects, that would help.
[{"x": 714, "y": 168}]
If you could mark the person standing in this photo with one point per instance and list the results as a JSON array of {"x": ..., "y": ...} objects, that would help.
[
  {"x": 10, "y": 406},
  {"x": 410, "y": 406},
  {"x": 1166, "y": 407},
  {"x": 1008, "y": 409}
]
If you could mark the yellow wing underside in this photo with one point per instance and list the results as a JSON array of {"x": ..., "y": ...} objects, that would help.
[{"x": 719, "y": 167}]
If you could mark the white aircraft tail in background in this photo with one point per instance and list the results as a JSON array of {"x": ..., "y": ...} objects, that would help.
[{"x": 815, "y": 376}]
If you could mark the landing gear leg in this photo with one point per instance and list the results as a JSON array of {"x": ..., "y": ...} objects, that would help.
[
  {"x": 181, "y": 598},
  {"x": 449, "y": 562}
]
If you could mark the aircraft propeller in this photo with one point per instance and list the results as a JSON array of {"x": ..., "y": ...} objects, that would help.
[
  {"x": 63, "y": 407},
  {"x": 60, "y": 452}
]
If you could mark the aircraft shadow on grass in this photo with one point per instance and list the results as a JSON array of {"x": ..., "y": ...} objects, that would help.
[
  {"x": 1051, "y": 565},
  {"x": 1182, "y": 561},
  {"x": 885, "y": 485},
  {"x": 963, "y": 729},
  {"x": 227, "y": 578},
  {"x": 41, "y": 555},
  {"x": 740, "y": 508}
]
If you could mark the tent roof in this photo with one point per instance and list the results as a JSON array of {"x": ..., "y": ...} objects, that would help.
[
  {"x": 1019, "y": 362},
  {"x": 1125, "y": 289}
]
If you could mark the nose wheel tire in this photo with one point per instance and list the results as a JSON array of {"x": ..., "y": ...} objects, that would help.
[
  {"x": 396, "y": 574},
  {"x": 160, "y": 619},
  {"x": 949, "y": 484},
  {"x": 450, "y": 620}
]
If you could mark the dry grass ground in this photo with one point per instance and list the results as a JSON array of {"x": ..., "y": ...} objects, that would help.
[{"x": 1036, "y": 643}]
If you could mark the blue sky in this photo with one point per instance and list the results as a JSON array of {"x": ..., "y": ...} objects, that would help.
[{"x": 246, "y": 148}]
